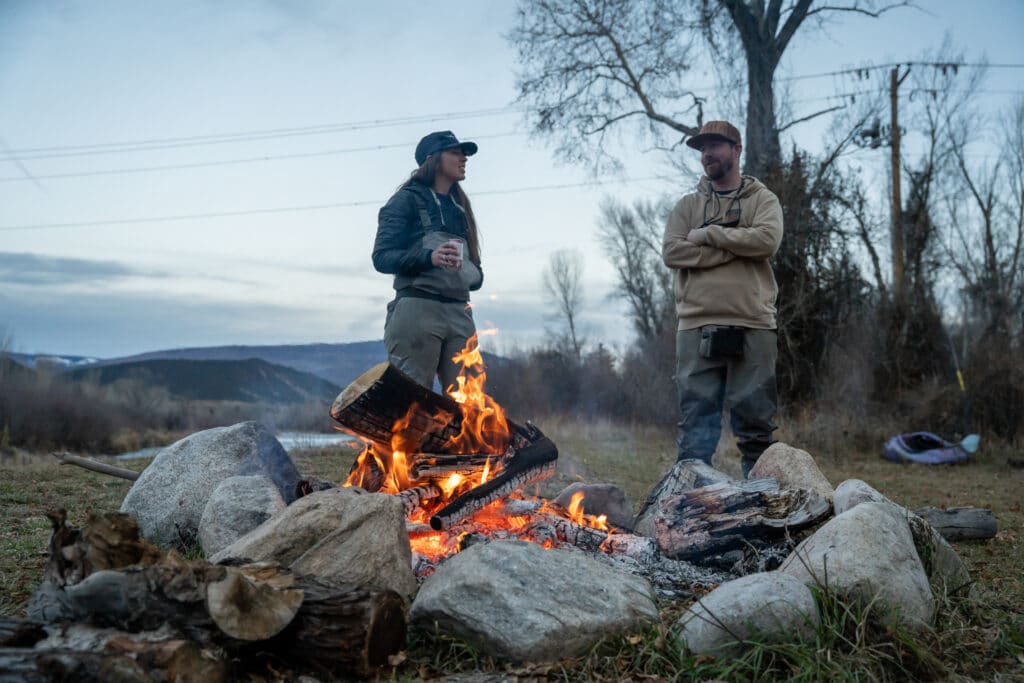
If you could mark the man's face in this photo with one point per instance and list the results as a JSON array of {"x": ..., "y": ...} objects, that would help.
[{"x": 718, "y": 158}]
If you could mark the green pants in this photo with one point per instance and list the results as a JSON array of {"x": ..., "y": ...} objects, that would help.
[
  {"x": 422, "y": 335},
  {"x": 744, "y": 385}
]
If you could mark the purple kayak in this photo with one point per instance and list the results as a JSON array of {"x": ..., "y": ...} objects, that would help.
[{"x": 928, "y": 448}]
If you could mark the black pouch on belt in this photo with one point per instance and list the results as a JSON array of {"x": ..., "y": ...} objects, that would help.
[{"x": 718, "y": 342}]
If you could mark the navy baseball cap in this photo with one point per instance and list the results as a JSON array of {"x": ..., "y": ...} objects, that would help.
[{"x": 441, "y": 140}]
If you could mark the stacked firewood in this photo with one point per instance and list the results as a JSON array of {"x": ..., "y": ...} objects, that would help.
[{"x": 114, "y": 607}]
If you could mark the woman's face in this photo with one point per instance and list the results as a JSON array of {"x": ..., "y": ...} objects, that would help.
[{"x": 453, "y": 164}]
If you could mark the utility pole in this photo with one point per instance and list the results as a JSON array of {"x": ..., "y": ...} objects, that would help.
[{"x": 897, "y": 201}]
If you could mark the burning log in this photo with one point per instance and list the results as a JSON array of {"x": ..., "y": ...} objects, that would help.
[
  {"x": 414, "y": 498},
  {"x": 433, "y": 466},
  {"x": 530, "y": 464},
  {"x": 716, "y": 518},
  {"x": 383, "y": 396}
]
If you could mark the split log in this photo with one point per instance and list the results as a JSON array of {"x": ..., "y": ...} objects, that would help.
[
  {"x": 714, "y": 519},
  {"x": 378, "y": 399},
  {"x": 530, "y": 464},
  {"x": 102, "y": 468},
  {"x": 347, "y": 628},
  {"x": 961, "y": 523}
]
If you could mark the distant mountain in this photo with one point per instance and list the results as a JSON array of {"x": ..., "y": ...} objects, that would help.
[
  {"x": 337, "y": 363},
  {"x": 252, "y": 380},
  {"x": 33, "y": 360}
]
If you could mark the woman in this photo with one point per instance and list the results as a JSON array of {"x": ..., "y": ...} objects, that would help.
[{"x": 427, "y": 239}]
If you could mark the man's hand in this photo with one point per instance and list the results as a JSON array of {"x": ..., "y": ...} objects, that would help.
[{"x": 697, "y": 236}]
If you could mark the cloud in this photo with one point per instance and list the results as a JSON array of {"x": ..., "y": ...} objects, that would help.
[{"x": 36, "y": 269}]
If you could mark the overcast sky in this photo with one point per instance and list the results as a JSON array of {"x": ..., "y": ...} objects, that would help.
[{"x": 289, "y": 123}]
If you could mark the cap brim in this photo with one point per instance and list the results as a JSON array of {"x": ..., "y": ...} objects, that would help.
[
  {"x": 468, "y": 148},
  {"x": 697, "y": 140}
]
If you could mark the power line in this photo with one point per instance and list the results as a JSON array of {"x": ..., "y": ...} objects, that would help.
[
  {"x": 27, "y": 154},
  {"x": 307, "y": 207},
  {"x": 859, "y": 70},
  {"x": 227, "y": 162}
]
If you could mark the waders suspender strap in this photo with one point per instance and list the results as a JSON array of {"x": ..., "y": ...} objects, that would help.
[{"x": 421, "y": 207}]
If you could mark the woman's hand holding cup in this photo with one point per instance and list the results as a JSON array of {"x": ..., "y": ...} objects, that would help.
[{"x": 448, "y": 255}]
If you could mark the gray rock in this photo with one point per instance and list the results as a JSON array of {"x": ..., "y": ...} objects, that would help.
[
  {"x": 600, "y": 499},
  {"x": 852, "y": 493},
  {"x": 770, "y": 606},
  {"x": 237, "y": 506},
  {"x": 518, "y": 601},
  {"x": 792, "y": 468},
  {"x": 867, "y": 555},
  {"x": 170, "y": 495},
  {"x": 946, "y": 570},
  {"x": 343, "y": 535}
]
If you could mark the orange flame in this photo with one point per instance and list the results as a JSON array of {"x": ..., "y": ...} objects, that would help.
[
  {"x": 576, "y": 514},
  {"x": 484, "y": 426}
]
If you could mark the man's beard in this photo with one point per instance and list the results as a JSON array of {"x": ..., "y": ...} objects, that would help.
[{"x": 717, "y": 170}]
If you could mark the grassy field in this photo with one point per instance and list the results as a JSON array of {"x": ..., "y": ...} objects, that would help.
[{"x": 982, "y": 642}]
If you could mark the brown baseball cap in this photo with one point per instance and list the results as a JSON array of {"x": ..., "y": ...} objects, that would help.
[{"x": 714, "y": 130}]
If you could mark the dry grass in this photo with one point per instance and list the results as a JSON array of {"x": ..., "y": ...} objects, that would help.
[{"x": 970, "y": 643}]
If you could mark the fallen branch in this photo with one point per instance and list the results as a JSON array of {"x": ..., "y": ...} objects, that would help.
[{"x": 89, "y": 464}]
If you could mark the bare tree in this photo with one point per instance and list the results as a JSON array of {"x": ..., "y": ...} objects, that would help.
[
  {"x": 985, "y": 222},
  {"x": 589, "y": 65},
  {"x": 631, "y": 238},
  {"x": 562, "y": 282}
]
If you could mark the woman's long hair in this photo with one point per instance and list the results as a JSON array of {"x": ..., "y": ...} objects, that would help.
[{"x": 425, "y": 175}]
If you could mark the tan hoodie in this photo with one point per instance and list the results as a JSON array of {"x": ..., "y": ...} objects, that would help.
[{"x": 728, "y": 280}]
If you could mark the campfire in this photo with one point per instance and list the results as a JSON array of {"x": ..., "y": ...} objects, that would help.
[{"x": 459, "y": 464}]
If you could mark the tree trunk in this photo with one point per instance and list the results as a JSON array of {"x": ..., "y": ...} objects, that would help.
[{"x": 763, "y": 150}]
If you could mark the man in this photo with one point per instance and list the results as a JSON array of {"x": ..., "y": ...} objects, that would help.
[{"x": 718, "y": 241}]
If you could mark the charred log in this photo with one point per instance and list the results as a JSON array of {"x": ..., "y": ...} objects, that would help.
[
  {"x": 530, "y": 464},
  {"x": 721, "y": 517},
  {"x": 434, "y": 466},
  {"x": 414, "y": 498},
  {"x": 684, "y": 476}
]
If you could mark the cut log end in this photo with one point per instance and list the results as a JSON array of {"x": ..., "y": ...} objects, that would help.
[{"x": 357, "y": 388}]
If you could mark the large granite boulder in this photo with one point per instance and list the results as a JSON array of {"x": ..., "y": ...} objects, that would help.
[
  {"x": 237, "y": 506},
  {"x": 947, "y": 573},
  {"x": 792, "y": 468},
  {"x": 343, "y": 535},
  {"x": 170, "y": 495},
  {"x": 517, "y": 601},
  {"x": 600, "y": 499},
  {"x": 867, "y": 555},
  {"x": 768, "y": 606}
]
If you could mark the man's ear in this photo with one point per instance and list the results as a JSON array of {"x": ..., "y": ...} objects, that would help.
[{"x": 739, "y": 148}]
